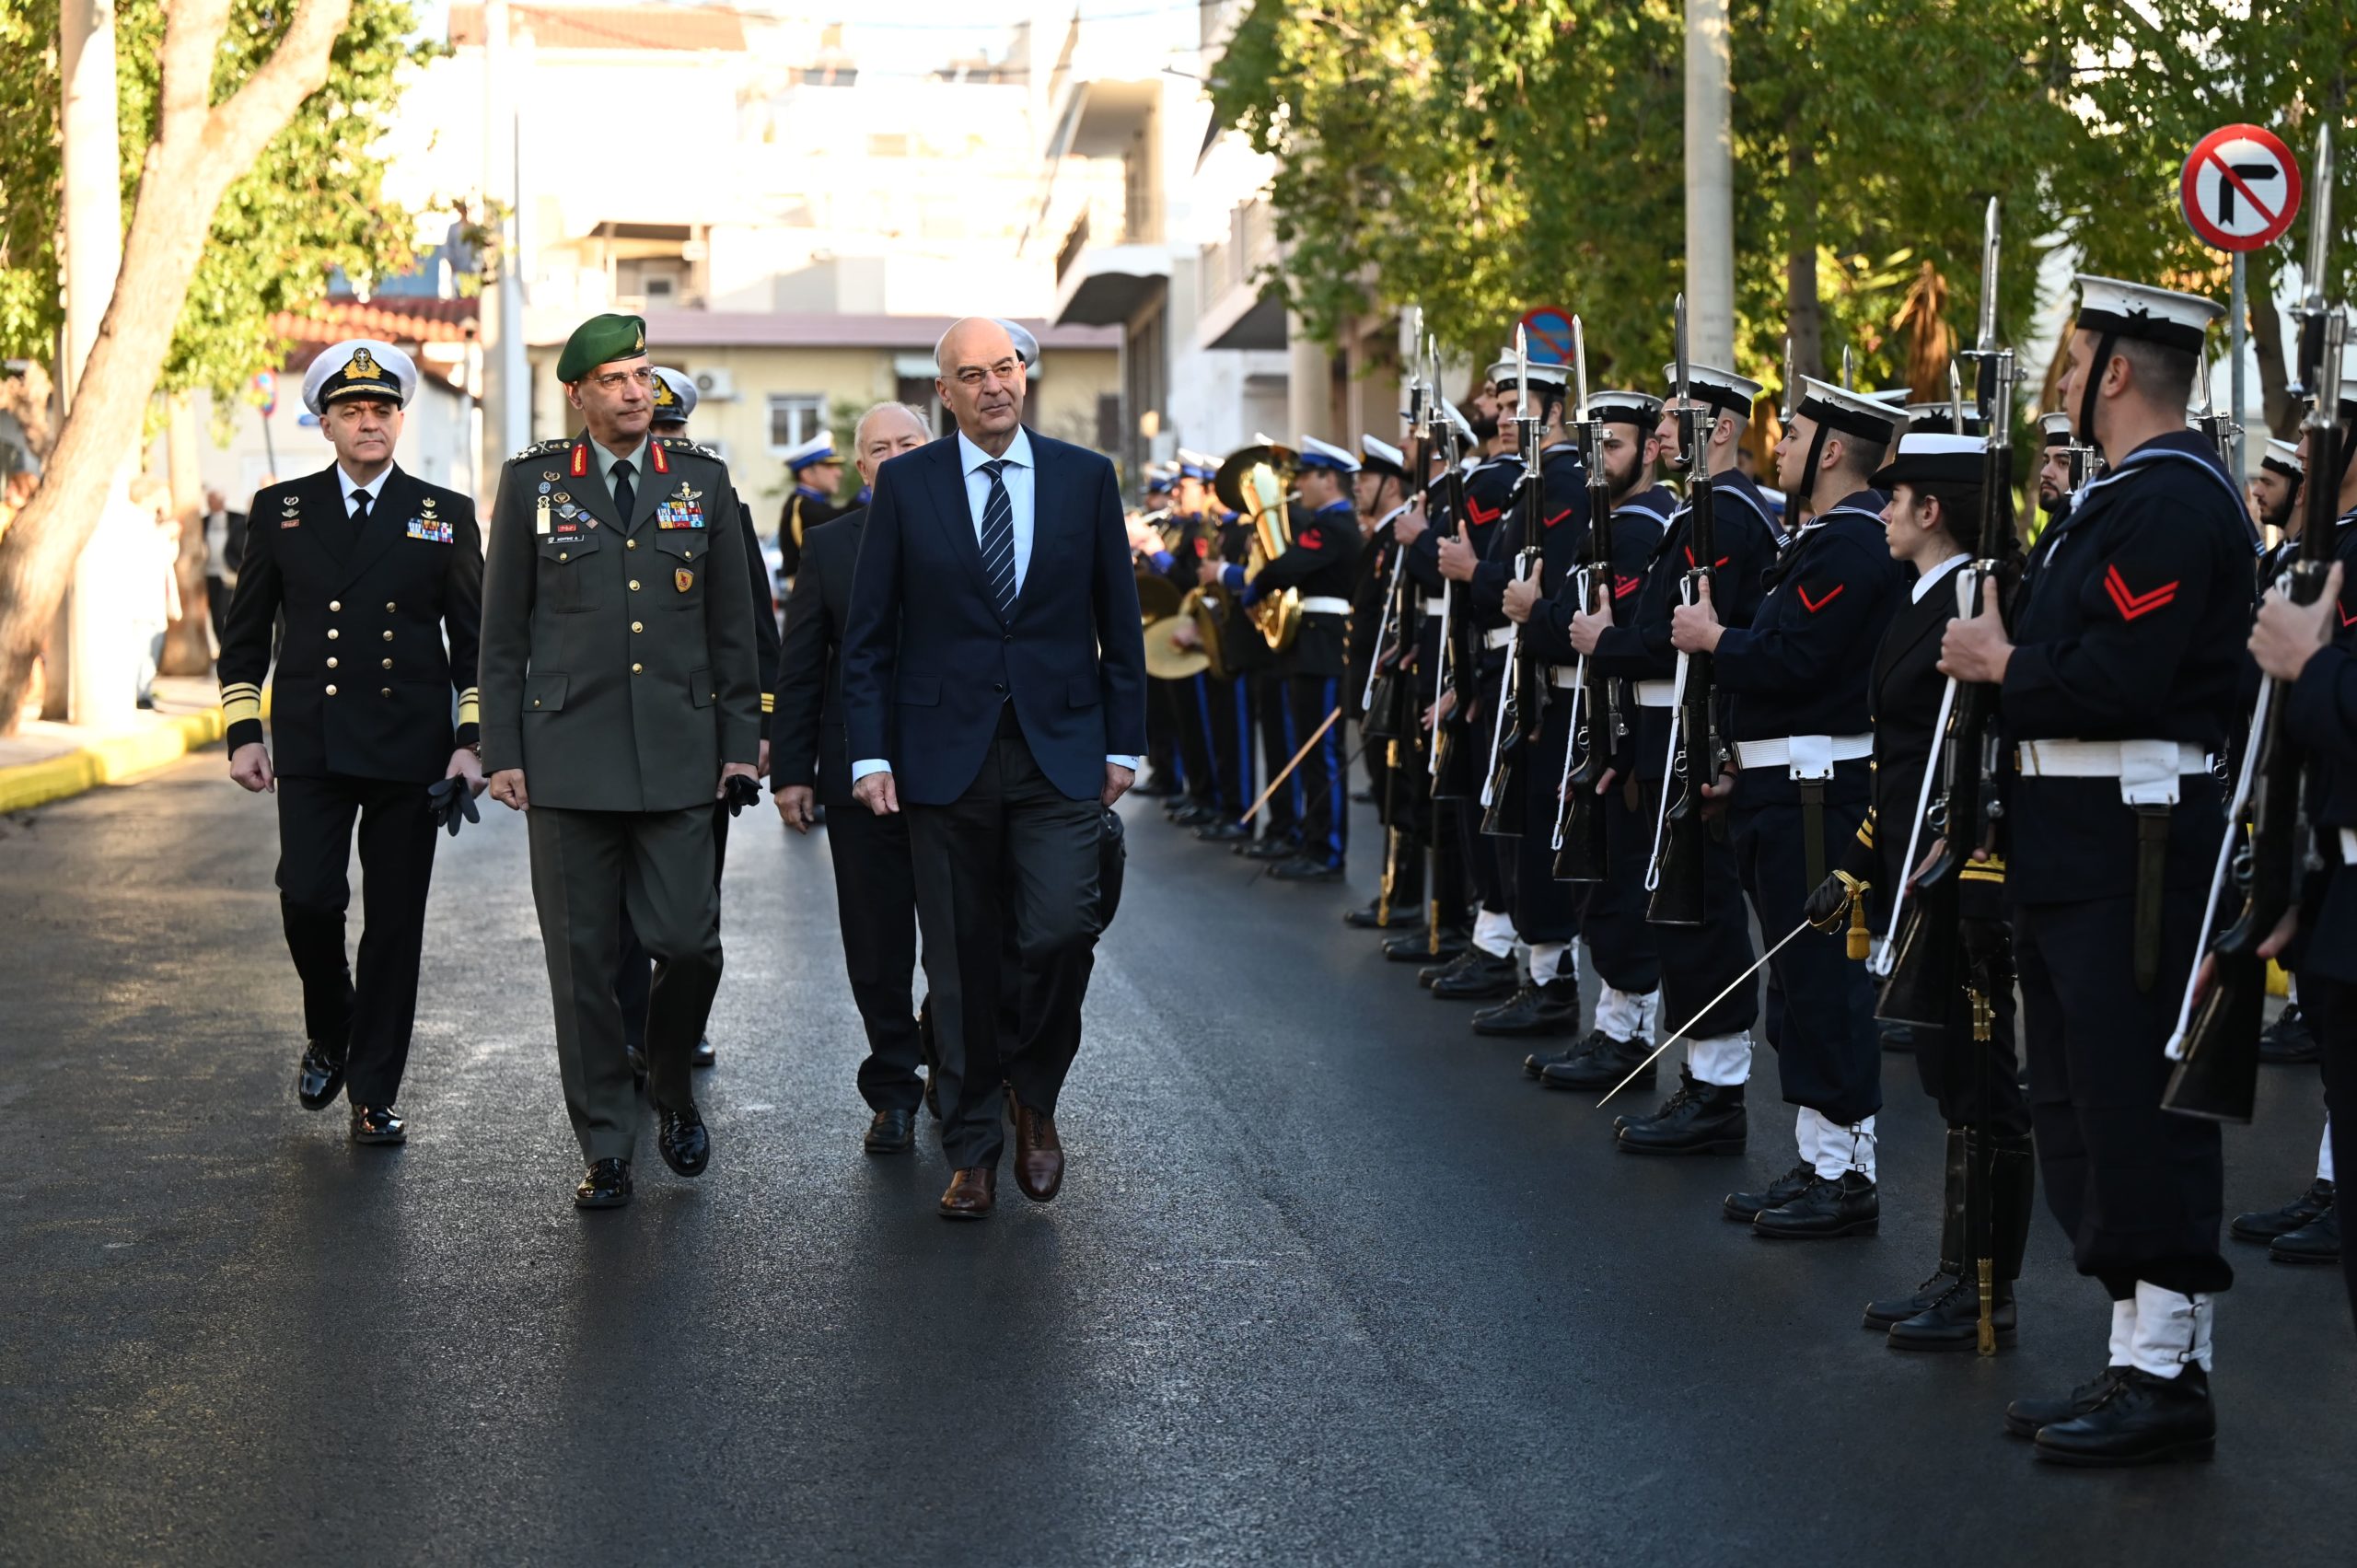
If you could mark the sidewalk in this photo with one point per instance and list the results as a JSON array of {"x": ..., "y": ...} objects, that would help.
[{"x": 44, "y": 761}]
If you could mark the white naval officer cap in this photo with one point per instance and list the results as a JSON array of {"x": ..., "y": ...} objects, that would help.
[
  {"x": 1316, "y": 453},
  {"x": 359, "y": 367},
  {"x": 675, "y": 396},
  {"x": 819, "y": 448}
]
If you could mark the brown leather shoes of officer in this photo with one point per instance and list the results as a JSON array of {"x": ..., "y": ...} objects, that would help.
[
  {"x": 1038, "y": 1157},
  {"x": 971, "y": 1193}
]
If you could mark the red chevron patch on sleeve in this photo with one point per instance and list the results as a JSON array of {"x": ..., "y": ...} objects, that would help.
[
  {"x": 1202, "y": 548},
  {"x": 1689, "y": 558},
  {"x": 1312, "y": 539},
  {"x": 1623, "y": 586},
  {"x": 2131, "y": 604},
  {"x": 1557, "y": 518},
  {"x": 1813, "y": 605},
  {"x": 1478, "y": 517},
  {"x": 2348, "y": 617}
]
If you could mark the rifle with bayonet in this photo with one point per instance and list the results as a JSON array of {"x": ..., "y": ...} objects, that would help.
[
  {"x": 1677, "y": 879},
  {"x": 1461, "y": 669},
  {"x": 2217, "y": 1050},
  {"x": 1522, "y": 692},
  {"x": 1596, "y": 712},
  {"x": 1388, "y": 700}
]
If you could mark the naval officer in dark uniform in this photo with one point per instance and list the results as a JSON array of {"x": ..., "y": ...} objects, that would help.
[
  {"x": 379, "y": 578},
  {"x": 620, "y": 696},
  {"x": 817, "y": 474}
]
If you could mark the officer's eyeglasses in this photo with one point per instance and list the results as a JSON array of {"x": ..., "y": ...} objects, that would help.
[
  {"x": 972, "y": 375},
  {"x": 614, "y": 380}
]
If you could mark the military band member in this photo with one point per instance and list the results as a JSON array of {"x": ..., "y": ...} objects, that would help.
[
  {"x": 1224, "y": 701},
  {"x": 371, "y": 570},
  {"x": 1317, "y": 565},
  {"x": 1621, "y": 946},
  {"x": 811, "y": 764},
  {"x": 621, "y": 696},
  {"x": 817, "y": 474},
  {"x": 2118, "y": 681},
  {"x": 1705, "y": 1114},
  {"x": 1381, "y": 495},
  {"x": 1167, "y": 777}
]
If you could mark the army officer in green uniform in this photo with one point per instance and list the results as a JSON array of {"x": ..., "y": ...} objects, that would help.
[{"x": 618, "y": 695}]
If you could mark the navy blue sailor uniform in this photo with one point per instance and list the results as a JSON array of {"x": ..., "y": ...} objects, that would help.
[
  {"x": 1489, "y": 489},
  {"x": 381, "y": 616},
  {"x": 1799, "y": 723},
  {"x": 2119, "y": 697},
  {"x": 1698, "y": 961},
  {"x": 1318, "y": 567}
]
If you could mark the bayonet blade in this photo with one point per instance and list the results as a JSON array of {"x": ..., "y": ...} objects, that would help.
[
  {"x": 1784, "y": 413},
  {"x": 1521, "y": 376},
  {"x": 1849, "y": 369},
  {"x": 1956, "y": 396},
  {"x": 1579, "y": 366},
  {"x": 1989, "y": 255},
  {"x": 2320, "y": 217},
  {"x": 1685, "y": 387}
]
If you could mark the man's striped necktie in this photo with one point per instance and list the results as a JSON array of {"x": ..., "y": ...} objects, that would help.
[{"x": 998, "y": 540}]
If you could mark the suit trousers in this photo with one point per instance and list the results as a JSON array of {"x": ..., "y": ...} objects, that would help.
[
  {"x": 1015, "y": 851},
  {"x": 589, "y": 868},
  {"x": 2139, "y": 1190},
  {"x": 376, "y": 1012},
  {"x": 875, "y": 904}
]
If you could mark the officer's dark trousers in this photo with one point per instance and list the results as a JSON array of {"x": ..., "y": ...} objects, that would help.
[
  {"x": 1323, "y": 779},
  {"x": 1013, "y": 848},
  {"x": 376, "y": 1010},
  {"x": 1820, "y": 1005},
  {"x": 1281, "y": 818},
  {"x": 2139, "y": 1190},
  {"x": 1483, "y": 868},
  {"x": 875, "y": 904},
  {"x": 1621, "y": 946},
  {"x": 1228, "y": 713},
  {"x": 635, "y": 974},
  {"x": 589, "y": 868},
  {"x": 1544, "y": 910},
  {"x": 1699, "y": 961}
]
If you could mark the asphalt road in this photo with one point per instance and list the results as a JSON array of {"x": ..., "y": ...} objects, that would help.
[{"x": 1330, "y": 1280}]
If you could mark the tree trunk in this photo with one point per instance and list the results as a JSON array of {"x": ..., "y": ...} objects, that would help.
[
  {"x": 1804, "y": 307},
  {"x": 199, "y": 149},
  {"x": 2278, "y": 408},
  {"x": 187, "y": 642}
]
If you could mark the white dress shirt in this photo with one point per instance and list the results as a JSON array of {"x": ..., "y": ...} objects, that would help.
[
  {"x": 1931, "y": 579},
  {"x": 1018, "y": 477},
  {"x": 375, "y": 487}
]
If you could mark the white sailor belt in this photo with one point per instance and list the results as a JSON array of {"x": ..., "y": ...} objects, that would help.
[
  {"x": 1497, "y": 637},
  {"x": 1657, "y": 693},
  {"x": 1563, "y": 676},
  {"x": 1436, "y": 603},
  {"x": 2148, "y": 770},
  {"x": 2349, "y": 846},
  {"x": 1325, "y": 604},
  {"x": 1804, "y": 757}
]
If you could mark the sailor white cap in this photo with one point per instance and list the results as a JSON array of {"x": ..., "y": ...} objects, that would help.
[
  {"x": 1027, "y": 345},
  {"x": 1504, "y": 374},
  {"x": 2283, "y": 457},
  {"x": 2139, "y": 311},
  {"x": 2057, "y": 426},
  {"x": 1855, "y": 414},
  {"x": 1640, "y": 408},
  {"x": 359, "y": 367},
  {"x": 1934, "y": 459},
  {"x": 1382, "y": 455},
  {"x": 1720, "y": 388}
]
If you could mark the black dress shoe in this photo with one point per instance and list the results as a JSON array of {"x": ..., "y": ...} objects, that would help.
[
  {"x": 1535, "y": 1065},
  {"x": 2318, "y": 1241},
  {"x": 1223, "y": 830},
  {"x": 1601, "y": 1062},
  {"x": 2289, "y": 1039},
  {"x": 378, "y": 1124},
  {"x": 1697, "y": 1119},
  {"x": 1302, "y": 868},
  {"x": 681, "y": 1137},
  {"x": 1847, "y": 1207},
  {"x": 2025, "y": 1417},
  {"x": 892, "y": 1132},
  {"x": 1745, "y": 1207},
  {"x": 1156, "y": 786},
  {"x": 704, "y": 1055},
  {"x": 1361, "y": 797},
  {"x": 2266, "y": 1224},
  {"x": 1882, "y": 1312},
  {"x": 1476, "y": 977},
  {"x": 2141, "y": 1420},
  {"x": 1549, "y": 1009},
  {"x": 1898, "y": 1038},
  {"x": 1953, "y": 1322},
  {"x": 607, "y": 1186},
  {"x": 1271, "y": 849},
  {"x": 1194, "y": 816},
  {"x": 319, "y": 1078},
  {"x": 1368, "y": 916},
  {"x": 1418, "y": 947}
]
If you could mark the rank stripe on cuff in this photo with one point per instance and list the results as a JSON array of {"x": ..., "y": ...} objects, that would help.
[
  {"x": 471, "y": 706},
  {"x": 240, "y": 703},
  {"x": 769, "y": 702}
]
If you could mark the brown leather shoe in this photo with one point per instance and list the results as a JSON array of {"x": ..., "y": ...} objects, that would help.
[
  {"x": 971, "y": 1193},
  {"x": 1038, "y": 1157}
]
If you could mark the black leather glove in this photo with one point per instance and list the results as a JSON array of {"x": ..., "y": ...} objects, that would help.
[
  {"x": 1829, "y": 905},
  {"x": 453, "y": 802},
  {"x": 742, "y": 792}
]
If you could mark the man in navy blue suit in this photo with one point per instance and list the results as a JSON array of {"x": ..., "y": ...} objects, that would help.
[{"x": 993, "y": 684}]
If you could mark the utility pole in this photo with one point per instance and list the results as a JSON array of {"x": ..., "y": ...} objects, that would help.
[
  {"x": 507, "y": 383},
  {"x": 99, "y": 675},
  {"x": 1709, "y": 185}
]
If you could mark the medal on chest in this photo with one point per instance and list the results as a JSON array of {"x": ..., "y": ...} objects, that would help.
[{"x": 683, "y": 509}]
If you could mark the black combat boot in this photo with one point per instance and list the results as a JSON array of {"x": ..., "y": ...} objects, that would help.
[
  {"x": 2266, "y": 1224},
  {"x": 1476, "y": 977},
  {"x": 2289, "y": 1039},
  {"x": 1418, "y": 947},
  {"x": 1849, "y": 1206},
  {"x": 1699, "y": 1119},
  {"x": 2143, "y": 1420},
  {"x": 1954, "y": 1322},
  {"x": 1884, "y": 1311},
  {"x": 1549, "y": 1009},
  {"x": 1601, "y": 1062},
  {"x": 2026, "y": 1418},
  {"x": 2318, "y": 1241},
  {"x": 1745, "y": 1207}
]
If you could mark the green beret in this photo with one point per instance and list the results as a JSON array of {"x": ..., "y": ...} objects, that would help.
[{"x": 598, "y": 339}]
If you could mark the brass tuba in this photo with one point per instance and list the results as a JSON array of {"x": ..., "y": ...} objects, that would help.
[{"x": 1253, "y": 483}]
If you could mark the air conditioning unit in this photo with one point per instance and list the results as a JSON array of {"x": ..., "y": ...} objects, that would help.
[{"x": 715, "y": 386}]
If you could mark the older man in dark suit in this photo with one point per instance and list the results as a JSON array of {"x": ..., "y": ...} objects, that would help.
[{"x": 993, "y": 677}]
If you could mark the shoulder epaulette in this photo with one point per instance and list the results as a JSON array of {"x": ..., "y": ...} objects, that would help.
[
  {"x": 681, "y": 444},
  {"x": 543, "y": 448}
]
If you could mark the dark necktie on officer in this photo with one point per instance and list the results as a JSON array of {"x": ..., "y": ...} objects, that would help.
[
  {"x": 359, "y": 520},
  {"x": 625, "y": 494}
]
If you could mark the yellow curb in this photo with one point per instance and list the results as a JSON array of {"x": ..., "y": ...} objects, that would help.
[{"x": 114, "y": 758}]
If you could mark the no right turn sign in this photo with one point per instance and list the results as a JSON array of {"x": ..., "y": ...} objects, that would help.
[{"x": 2240, "y": 189}]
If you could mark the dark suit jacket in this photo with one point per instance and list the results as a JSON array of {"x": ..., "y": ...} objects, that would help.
[
  {"x": 926, "y": 654},
  {"x": 807, "y": 742},
  {"x": 364, "y": 682}
]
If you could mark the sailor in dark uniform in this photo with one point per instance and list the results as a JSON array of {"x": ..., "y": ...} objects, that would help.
[
  {"x": 1168, "y": 777},
  {"x": 817, "y": 474},
  {"x": 2275, "y": 487},
  {"x": 1621, "y": 946},
  {"x": 2118, "y": 681},
  {"x": 1222, "y": 702},
  {"x": 1799, "y": 729},
  {"x": 1382, "y": 495},
  {"x": 1317, "y": 565},
  {"x": 1705, "y": 1114},
  {"x": 377, "y": 578}
]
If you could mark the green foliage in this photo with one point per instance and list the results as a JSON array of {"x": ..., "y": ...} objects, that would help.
[
  {"x": 310, "y": 204},
  {"x": 1481, "y": 157}
]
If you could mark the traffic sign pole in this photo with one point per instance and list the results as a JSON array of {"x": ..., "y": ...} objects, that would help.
[{"x": 2234, "y": 336}]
